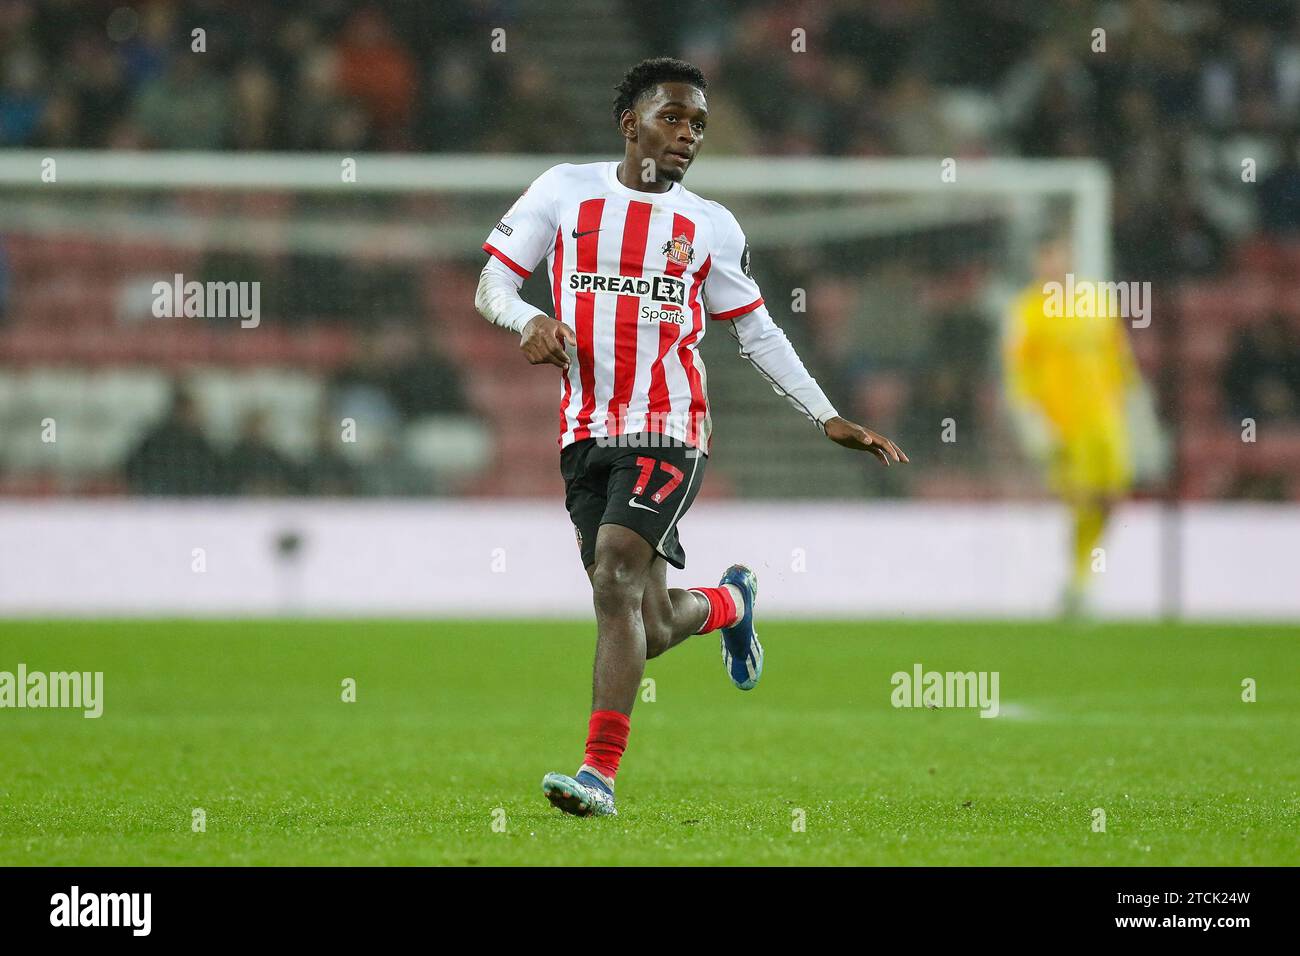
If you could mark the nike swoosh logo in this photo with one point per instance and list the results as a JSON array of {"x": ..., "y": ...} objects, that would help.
[
  {"x": 632, "y": 502},
  {"x": 579, "y": 235}
]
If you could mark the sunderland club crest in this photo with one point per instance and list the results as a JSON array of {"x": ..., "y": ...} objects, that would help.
[{"x": 679, "y": 250}]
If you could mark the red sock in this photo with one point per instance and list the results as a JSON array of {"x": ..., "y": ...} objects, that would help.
[
  {"x": 606, "y": 740},
  {"x": 722, "y": 608}
]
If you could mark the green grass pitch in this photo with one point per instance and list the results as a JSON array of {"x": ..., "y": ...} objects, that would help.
[{"x": 456, "y": 722}]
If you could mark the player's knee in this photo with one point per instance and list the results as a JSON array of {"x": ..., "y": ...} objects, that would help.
[{"x": 616, "y": 581}]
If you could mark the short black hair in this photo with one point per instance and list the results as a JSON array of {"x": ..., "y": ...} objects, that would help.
[{"x": 648, "y": 74}]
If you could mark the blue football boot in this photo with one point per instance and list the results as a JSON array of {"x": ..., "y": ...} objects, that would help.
[{"x": 741, "y": 653}]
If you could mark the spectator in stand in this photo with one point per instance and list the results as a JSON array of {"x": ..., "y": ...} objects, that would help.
[
  {"x": 146, "y": 52},
  {"x": 401, "y": 368},
  {"x": 59, "y": 123},
  {"x": 423, "y": 382},
  {"x": 174, "y": 457},
  {"x": 894, "y": 288},
  {"x": 531, "y": 112},
  {"x": 188, "y": 107},
  {"x": 357, "y": 75},
  {"x": 1199, "y": 248},
  {"x": 917, "y": 124},
  {"x": 254, "y": 466},
  {"x": 322, "y": 117},
  {"x": 255, "y": 101},
  {"x": 1279, "y": 191},
  {"x": 392, "y": 473},
  {"x": 1048, "y": 102},
  {"x": 377, "y": 71},
  {"x": 1255, "y": 86},
  {"x": 748, "y": 73},
  {"x": 1165, "y": 235},
  {"x": 1262, "y": 378},
  {"x": 885, "y": 38},
  {"x": 328, "y": 472},
  {"x": 453, "y": 103},
  {"x": 22, "y": 99},
  {"x": 946, "y": 387},
  {"x": 98, "y": 81}
]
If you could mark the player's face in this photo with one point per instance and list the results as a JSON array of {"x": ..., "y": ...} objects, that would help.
[
  {"x": 1054, "y": 259},
  {"x": 669, "y": 129}
]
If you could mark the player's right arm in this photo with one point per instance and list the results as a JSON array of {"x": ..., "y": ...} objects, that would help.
[
  {"x": 541, "y": 338},
  {"x": 522, "y": 238}
]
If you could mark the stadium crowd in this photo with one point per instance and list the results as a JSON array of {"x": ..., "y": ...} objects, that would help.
[{"x": 1171, "y": 95}]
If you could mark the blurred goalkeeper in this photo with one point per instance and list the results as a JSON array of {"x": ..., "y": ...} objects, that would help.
[{"x": 1069, "y": 380}]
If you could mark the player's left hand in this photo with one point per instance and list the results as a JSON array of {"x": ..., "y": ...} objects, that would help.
[{"x": 851, "y": 435}]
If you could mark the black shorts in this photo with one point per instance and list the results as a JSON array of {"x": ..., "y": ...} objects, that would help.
[{"x": 639, "y": 486}]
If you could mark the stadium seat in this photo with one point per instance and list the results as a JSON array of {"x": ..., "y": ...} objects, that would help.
[{"x": 456, "y": 446}]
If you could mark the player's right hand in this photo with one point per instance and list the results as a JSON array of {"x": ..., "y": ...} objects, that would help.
[{"x": 543, "y": 341}]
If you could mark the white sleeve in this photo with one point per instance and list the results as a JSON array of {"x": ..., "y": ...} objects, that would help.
[
  {"x": 730, "y": 290},
  {"x": 765, "y": 345},
  {"x": 498, "y": 300},
  {"x": 525, "y": 235}
]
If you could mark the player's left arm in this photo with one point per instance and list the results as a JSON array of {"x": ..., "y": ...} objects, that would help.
[
  {"x": 767, "y": 348},
  {"x": 731, "y": 293}
]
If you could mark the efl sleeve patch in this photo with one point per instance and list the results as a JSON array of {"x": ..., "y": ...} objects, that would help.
[{"x": 524, "y": 236}]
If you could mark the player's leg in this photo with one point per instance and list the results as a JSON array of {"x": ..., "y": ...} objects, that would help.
[
  {"x": 586, "y": 479},
  {"x": 1089, "y": 514},
  {"x": 670, "y": 614},
  {"x": 1070, "y": 477},
  {"x": 663, "y": 486},
  {"x": 618, "y": 573},
  {"x": 673, "y": 614},
  {"x": 1098, "y": 476},
  {"x": 618, "y": 584},
  {"x": 648, "y": 489}
]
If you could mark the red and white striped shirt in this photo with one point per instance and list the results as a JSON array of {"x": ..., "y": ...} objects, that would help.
[{"x": 635, "y": 274}]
